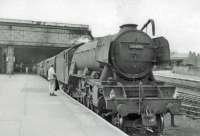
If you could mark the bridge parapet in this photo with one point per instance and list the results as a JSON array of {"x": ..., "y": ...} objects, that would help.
[{"x": 36, "y": 33}]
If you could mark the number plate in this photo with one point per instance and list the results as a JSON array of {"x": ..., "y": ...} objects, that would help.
[{"x": 136, "y": 46}]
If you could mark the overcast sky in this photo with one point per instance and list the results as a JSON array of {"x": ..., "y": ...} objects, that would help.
[{"x": 177, "y": 20}]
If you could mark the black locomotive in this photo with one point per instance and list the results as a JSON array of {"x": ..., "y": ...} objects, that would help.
[{"x": 112, "y": 75}]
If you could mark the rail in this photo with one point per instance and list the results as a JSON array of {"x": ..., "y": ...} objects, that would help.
[{"x": 190, "y": 104}]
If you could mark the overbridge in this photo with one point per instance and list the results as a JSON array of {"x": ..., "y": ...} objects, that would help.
[{"x": 24, "y": 42}]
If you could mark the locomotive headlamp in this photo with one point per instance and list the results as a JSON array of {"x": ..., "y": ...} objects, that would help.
[
  {"x": 149, "y": 120},
  {"x": 148, "y": 117},
  {"x": 100, "y": 91},
  {"x": 112, "y": 94}
]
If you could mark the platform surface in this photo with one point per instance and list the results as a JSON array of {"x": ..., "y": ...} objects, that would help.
[
  {"x": 26, "y": 109},
  {"x": 168, "y": 73}
]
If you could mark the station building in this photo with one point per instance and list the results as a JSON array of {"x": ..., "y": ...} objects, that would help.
[
  {"x": 24, "y": 43},
  {"x": 177, "y": 59}
]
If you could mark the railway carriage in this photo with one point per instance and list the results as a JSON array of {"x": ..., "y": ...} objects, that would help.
[
  {"x": 41, "y": 68},
  {"x": 60, "y": 66},
  {"x": 38, "y": 68}
]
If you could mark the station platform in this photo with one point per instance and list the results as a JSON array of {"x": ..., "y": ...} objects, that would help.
[{"x": 26, "y": 109}]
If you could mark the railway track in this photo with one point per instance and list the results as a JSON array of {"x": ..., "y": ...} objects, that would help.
[
  {"x": 190, "y": 104},
  {"x": 187, "y": 89}
]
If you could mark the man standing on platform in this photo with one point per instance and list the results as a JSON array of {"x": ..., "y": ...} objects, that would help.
[{"x": 51, "y": 78}]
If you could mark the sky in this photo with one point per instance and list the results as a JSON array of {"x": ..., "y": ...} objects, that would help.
[{"x": 176, "y": 20}]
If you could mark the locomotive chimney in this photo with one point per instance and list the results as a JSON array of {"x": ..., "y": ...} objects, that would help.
[{"x": 127, "y": 27}]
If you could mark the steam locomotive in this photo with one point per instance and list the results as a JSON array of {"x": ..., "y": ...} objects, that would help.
[{"x": 112, "y": 76}]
